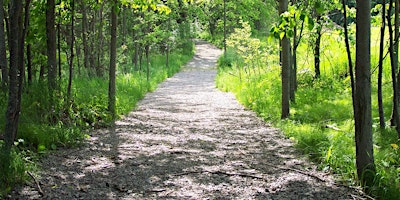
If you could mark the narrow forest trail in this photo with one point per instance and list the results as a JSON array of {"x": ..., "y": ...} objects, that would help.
[{"x": 186, "y": 140}]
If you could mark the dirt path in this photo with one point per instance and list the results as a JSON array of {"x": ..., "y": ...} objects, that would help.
[{"x": 186, "y": 140}]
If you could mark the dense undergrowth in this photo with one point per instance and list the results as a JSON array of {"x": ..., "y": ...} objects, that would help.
[
  {"x": 321, "y": 118},
  {"x": 71, "y": 120}
]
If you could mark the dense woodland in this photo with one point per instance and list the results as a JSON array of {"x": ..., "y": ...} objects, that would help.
[{"x": 325, "y": 72}]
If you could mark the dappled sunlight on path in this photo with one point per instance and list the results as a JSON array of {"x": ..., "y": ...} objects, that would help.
[{"x": 186, "y": 140}]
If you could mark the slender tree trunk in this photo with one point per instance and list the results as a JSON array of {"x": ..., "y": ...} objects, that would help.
[
  {"x": 78, "y": 57},
  {"x": 84, "y": 36},
  {"x": 29, "y": 62},
  {"x": 396, "y": 50},
  {"x": 135, "y": 56},
  {"x": 113, "y": 55},
  {"x": 380, "y": 70},
  {"x": 141, "y": 58},
  {"x": 317, "y": 51},
  {"x": 167, "y": 55},
  {"x": 23, "y": 24},
  {"x": 59, "y": 45},
  {"x": 124, "y": 31},
  {"x": 12, "y": 114},
  {"x": 100, "y": 42},
  {"x": 349, "y": 59},
  {"x": 51, "y": 47},
  {"x": 224, "y": 29},
  {"x": 3, "y": 49},
  {"x": 393, "y": 57},
  {"x": 71, "y": 62},
  {"x": 25, "y": 28},
  {"x": 285, "y": 62},
  {"x": 296, "y": 42},
  {"x": 362, "y": 114},
  {"x": 293, "y": 73},
  {"x": 147, "y": 52}
]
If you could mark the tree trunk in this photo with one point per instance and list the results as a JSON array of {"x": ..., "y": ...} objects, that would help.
[
  {"x": 23, "y": 24},
  {"x": 12, "y": 113},
  {"x": 113, "y": 55},
  {"x": 29, "y": 62},
  {"x": 136, "y": 56},
  {"x": 167, "y": 55},
  {"x": 59, "y": 45},
  {"x": 380, "y": 70},
  {"x": 3, "y": 49},
  {"x": 285, "y": 62},
  {"x": 78, "y": 57},
  {"x": 71, "y": 61},
  {"x": 51, "y": 47},
  {"x": 362, "y": 113},
  {"x": 296, "y": 42},
  {"x": 224, "y": 29},
  {"x": 147, "y": 52},
  {"x": 100, "y": 42},
  {"x": 84, "y": 36},
  {"x": 396, "y": 50},
  {"x": 317, "y": 50},
  {"x": 393, "y": 57},
  {"x": 349, "y": 59}
]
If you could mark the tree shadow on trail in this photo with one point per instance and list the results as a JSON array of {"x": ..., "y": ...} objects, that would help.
[
  {"x": 113, "y": 166},
  {"x": 186, "y": 140}
]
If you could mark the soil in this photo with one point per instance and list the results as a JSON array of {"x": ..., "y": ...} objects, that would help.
[{"x": 185, "y": 140}]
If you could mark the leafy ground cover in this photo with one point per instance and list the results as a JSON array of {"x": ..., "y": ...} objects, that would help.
[
  {"x": 321, "y": 120},
  {"x": 70, "y": 120}
]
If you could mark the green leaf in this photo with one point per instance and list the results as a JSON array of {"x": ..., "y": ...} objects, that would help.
[
  {"x": 290, "y": 33},
  {"x": 311, "y": 23},
  {"x": 319, "y": 7},
  {"x": 282, "y": 35},
  {"x": 303, "y": 17},
  {"x": 41, "y": 148}
]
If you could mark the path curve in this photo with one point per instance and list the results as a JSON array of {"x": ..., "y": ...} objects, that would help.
[{"x": 186, "y": 140}]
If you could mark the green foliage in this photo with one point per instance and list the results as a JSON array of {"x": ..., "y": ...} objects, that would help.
[
  {"x": 210, "y": 17},
  {"x": 67, "y": 123},
  {"x": 13, "y": 167},
  {"x": 321, "y": 121}
]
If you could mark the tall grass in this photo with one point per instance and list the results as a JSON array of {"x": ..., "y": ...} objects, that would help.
[{"x": 321, "y": 121}]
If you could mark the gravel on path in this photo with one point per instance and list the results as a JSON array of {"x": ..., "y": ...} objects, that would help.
[{"x": 186, "y": 140}]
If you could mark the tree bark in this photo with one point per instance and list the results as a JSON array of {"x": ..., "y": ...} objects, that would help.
[
  {"x": 362, "y": 114},
  {"x": 349, "y": 59},
  {"x": 51, "y": 47},
  {"x": 100, "y": 42},
  {"x": 113, "y": 55},
  {"x": 395, "y": 121},
  {"x": 71, "y": 61},
  {"x": 396, "y": 51},
  {"x": 29, "y": 62},
  {"x": 285, "y": 62},
  {"x": 3, "y": 49},
  {"x": 380, "y": 70},
  {"x": 84, "y": 36},
  {"x": 59, "y": 44},
  {"x": 317, "y": 50},
  {"x": 12, "y": 113}
]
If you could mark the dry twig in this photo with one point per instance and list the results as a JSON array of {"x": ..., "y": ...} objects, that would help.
[{"x": 36, "y": 182}]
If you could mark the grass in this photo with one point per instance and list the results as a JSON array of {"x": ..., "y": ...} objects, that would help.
[
  {"x": 70, "y": 120},
  {"x": 321, "y": 121}
]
